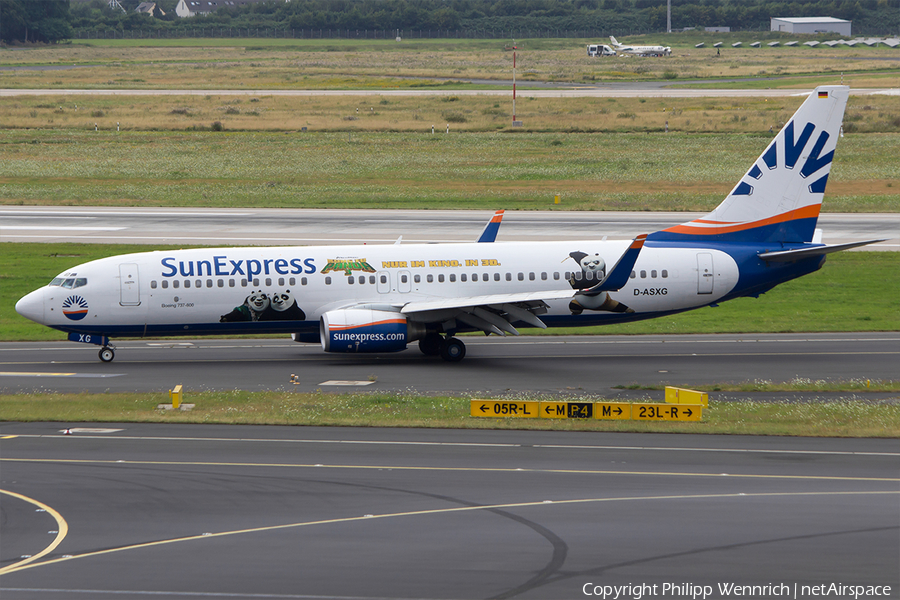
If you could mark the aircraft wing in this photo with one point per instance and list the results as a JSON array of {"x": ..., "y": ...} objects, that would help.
[
  {"x": 493, "y": 226},
  {"x": 493, "y": 313},
  {"x": 620, "y": 273}
]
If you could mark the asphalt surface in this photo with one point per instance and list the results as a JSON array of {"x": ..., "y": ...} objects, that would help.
[
  {"x": 321, "y": 227},
  {"x": 571, "y": 91},
  {"x": 494, "y": 366},
  {"x": 131, "y": 511}
]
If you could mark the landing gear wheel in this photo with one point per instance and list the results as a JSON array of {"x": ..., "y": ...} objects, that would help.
[
  {"x": 453, "y": 350},
  {"x": 430, "y": 345},
  {"x": 107, "y": 354}
]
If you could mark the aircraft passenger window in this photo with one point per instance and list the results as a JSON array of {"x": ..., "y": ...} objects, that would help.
[
  {"x": 485, "y": 277},
  {"x": 80, "y": 282},
  {"x": 509, "y": 276},
  {"x": 153, "y": 285},
  {"x": 372, "y": 279},
  {"x": 187, "y": 283},
  {"x": 417, "y": 278},
  {"x": 328, "y": 281},
  {"x": 452, "y": 277},
  {"x": 531, "y": 277},
  {"x": 220, "y": 283},
  {"x": 665, "y": 274},
  {"x": 231, "y": 283},
  {"x": 441, "y": 278},
  {"x": 175, "y": 283},
  {"x": 362, "y": 279},
  {"x": 256, "y": 283},
  {"x": 57, "y": 281},
  {"x": 244, "y": 283},
  {"x": 350, "y": 280},
  {"x": 404, "y": 278},
  {"x": 633, "y": 275},
  {"x": 568, "y": 275},
  {"x": 543, "y": 277},
  {"x": 521, "y": 276},
  {"x": 643, "y": 274},
  {"x": 68, "y": 284},
  {"x": 268, "y": 282},
  {"x": 653, "y": 273},
  {"x": 384, "y": 279},
  {"x": 496, "y": 276},
  {"x": 589, "y": 275},
  {"x": 293, "y": 281},
  {"x": 430, "y": 278},
  {"x": 303, "y": 281},
  {"x": 463, "y": 278},
  {"x": 281, "y": 281},
  {"x": 556, "y": 276},
  {"x": 165, "y": 284},
  {"x": 198, "y": 284}
]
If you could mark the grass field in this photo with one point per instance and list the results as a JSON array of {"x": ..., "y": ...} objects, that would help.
[
  {"x": 484, "y": 171},
  {"x": 855, "y": 291},
  {"x": 360, "y": 64},
  {"x": 834, "y": 419}
]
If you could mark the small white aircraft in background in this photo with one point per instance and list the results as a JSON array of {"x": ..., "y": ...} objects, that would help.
[
  {"x": 368, "y": 298},
  {"x": 640, "y": 50}
]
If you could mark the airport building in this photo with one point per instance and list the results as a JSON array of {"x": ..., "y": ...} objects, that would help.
[{"x": 811, "y": 25}]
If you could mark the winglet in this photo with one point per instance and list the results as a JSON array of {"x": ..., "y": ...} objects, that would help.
[
  {"x": 493, "y": 226},
  {"x": 620, "y": 273}
]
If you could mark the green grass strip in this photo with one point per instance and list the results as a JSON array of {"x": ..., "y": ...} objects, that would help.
[{"x": 841, "y": 418}]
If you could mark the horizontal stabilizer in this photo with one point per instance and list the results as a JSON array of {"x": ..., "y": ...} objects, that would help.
[
  {"x": 798, "y": 253},
  {"x": 620, "y": 273}
]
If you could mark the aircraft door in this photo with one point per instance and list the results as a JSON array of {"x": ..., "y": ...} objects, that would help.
[
  {"x": 383, "y": 282},
  {"x": 705, "y": 275},
  {"x": 129, "y": 285},
  {"x": 404, "y": 283}
]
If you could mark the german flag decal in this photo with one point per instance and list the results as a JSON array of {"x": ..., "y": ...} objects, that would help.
[{"x": 823, "y": 94}]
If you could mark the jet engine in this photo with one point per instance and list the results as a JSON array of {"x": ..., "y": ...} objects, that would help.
[{"x": 367, "y": 330}]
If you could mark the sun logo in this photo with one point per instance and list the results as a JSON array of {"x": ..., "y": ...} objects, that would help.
[{"x": 75, "y": 308}]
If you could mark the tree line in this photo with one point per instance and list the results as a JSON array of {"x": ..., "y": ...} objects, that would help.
[{"x": 56, "y": 20}]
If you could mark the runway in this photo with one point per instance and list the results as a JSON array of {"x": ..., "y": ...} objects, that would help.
[
  {"x": 572, "y": 91},
  {"x": 324, "y": 227},
  {"x": 494, "y": 366},
  {"x": 137, "y": 510}
]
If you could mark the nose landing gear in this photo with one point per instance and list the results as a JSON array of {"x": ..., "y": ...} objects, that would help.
[{"x": 107, "y": 354}]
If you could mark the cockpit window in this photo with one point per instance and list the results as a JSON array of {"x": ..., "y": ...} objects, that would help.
[
  {"x": 57, "y": 281},
  {"x": 81, "y": 281},
  {"x": 68, "y": 284}
]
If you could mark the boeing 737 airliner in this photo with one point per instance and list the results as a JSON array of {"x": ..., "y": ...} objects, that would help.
[{"x": 380, "y": 298}]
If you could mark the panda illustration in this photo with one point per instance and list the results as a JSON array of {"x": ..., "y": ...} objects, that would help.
[
  {"x": 253, "y": 307},
  {"x": 593, "y": 271},
  {"x": 283, "y": 307}
]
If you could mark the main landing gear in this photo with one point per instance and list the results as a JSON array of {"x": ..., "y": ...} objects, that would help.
[{"x": 449, "y": 348}]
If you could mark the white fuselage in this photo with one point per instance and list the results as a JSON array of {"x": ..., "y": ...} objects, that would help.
[{"x": 191, "y": 291}]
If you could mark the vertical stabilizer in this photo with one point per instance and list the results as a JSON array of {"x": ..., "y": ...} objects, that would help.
[{"x": 779, "y": 197}]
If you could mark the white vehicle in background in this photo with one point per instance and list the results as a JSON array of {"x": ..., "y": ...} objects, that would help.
[
  {"x": 641, "y": 50},
  {"x": 600, "y": 50}
]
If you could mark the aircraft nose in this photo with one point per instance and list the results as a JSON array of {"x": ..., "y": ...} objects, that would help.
[{"x": 32, "y": 306}]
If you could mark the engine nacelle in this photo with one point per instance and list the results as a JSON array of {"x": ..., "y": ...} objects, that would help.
[{"x": 367, "y": 330}]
